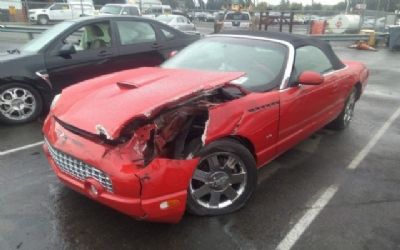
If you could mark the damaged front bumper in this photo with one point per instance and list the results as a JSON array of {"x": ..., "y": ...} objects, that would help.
[{"x": 156, "y": 192}]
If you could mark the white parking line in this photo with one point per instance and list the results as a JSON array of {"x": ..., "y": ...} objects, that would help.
[
  {"x": 298, "y": 229},
  {"x": 21, "y": 148},
  {"x": 295, "y": 233},
  {"x": 356, "y": 161}
]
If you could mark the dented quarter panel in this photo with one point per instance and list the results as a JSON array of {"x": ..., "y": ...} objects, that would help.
[{"x": 254, "y": 117}]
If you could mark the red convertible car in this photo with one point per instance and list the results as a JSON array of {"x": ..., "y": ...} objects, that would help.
[{"x": 190, "y": 134}]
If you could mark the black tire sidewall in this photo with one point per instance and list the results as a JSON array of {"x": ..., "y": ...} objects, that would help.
[
  {"x": 231, "y": 146},
  {"x": 38, "y": 100},
  {"x": 339, "y": 123},
  {"x": 40, "y": 18}
]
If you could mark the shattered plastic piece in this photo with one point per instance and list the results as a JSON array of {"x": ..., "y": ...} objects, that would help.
[{"x": 100, "y": 130}]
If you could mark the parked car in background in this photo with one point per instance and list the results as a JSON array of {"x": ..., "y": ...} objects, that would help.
[
  {"x": 236, "y": 21},
  {"x": 200, "y": 16},
  {"x": 177, "y": 21},
  {"x": 191, "y": 134},
  {"x": 156, "y": 10},
  {"x": 60, "y": 12},
  {"x": 210, "y": 17},
  {"x": 120, "y": 9},
  {"x": 76, "y": 50}
]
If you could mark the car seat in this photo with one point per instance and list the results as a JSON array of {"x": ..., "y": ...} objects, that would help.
[{"x": 92, "y": 38}]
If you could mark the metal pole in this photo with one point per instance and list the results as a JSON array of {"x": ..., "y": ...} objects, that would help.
[
  {"x": 82, "y": 8},
  {"x": 281, "y": 22},
  {"x": 291, "y": 22},
  {"x": 27, "y": 11}
]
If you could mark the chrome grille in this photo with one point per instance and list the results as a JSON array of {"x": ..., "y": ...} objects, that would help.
[{"x": 78, "y": 168}]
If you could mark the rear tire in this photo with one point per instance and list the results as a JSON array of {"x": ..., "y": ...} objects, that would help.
[
  {"x": 224, "y": 179},
  {"x": 345, "y": 117},
  {"x": 43, "y": 19}
]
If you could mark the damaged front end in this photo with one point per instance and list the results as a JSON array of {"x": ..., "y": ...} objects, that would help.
[
  {"x": 176, "y": 131},
  {"x": 157, "y": 150}
]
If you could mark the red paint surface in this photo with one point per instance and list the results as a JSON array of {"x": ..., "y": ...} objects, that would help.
[
  {"x": 270, "y": 122},
  {"x": 90, "y": 102}
]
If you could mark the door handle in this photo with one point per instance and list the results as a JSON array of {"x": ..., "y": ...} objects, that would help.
[
  {"x": 156, "y": 45},
  {"x": 104, "y": 53}
]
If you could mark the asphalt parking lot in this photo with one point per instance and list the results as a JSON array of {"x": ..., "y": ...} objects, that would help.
[{"x": 336, "y": 190}]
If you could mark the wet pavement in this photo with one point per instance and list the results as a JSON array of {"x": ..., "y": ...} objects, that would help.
[{"x": 38, "y": 212}]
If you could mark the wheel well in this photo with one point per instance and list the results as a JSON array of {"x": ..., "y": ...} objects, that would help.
[
  {"x": 358, "y": 87},
  {"x": 245, "y": 142}
]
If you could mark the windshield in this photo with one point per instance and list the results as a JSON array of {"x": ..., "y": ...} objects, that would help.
[
  {"x": 237, "y": 16},
  {"x": 111, "y": 9},
  {"x": 262, "y": 61},
  {"x": 165, "y": 19},
  {"x": 46, "y": 37}
]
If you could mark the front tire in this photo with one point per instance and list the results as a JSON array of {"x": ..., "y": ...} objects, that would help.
[
  {"x": 224, "y": 179},
  {"x": 345, "y": 117},
  {"x": 19, "y": 103}
]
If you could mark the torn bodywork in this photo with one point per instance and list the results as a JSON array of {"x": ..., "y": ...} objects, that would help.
[{"x": 176, "y": 131}]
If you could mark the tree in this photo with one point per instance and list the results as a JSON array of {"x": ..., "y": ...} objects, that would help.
[
  {"x": 261, "y": 7},
  {"x": 284, "y": 5},
  {"x": 339, "y": 6},
  {"x": 202, "y": 4},
  {"x": 296, "y": 6},
  {"x": 189, "y": 4}
]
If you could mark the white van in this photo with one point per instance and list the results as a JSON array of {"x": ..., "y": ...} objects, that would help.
[
  {"x": 154, "y": 11},
  {"x": 120, "y": 9},
  {"x": 61, "y": 11}
]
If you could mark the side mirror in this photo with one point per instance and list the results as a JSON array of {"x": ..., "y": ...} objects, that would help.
[
  {"x": 310, "y": 78},
  {"x": 67, "y": 49},
  {"x": 124, "y": 13}
]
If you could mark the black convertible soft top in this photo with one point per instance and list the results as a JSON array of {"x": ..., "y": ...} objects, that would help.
[{"x": 296, "y": 40}]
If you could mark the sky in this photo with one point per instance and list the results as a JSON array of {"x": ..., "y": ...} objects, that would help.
[{"x": 304, "y": 2}]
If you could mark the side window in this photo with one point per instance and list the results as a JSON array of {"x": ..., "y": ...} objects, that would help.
[
  {"x": 56, "y": 7},
  {"x": 311, "y": 58},
  {"x": 65, "y": 7},
  {"x": 181, "y": 20},
  {"x": 167, "y": 34},
  {"x": 134, "y": 11},
  {"x": 91, "y": 36},
  {"x": 135, "y": 32}
]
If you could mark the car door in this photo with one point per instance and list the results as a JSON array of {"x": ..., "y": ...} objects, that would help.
[
  {"x": 95, "y": 52},
  {"x": 306, "y": 108},
  {"x": 60, "y": 12},
  {"x": 138, "y": 45}
]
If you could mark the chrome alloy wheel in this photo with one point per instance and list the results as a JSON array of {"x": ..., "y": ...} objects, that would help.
[
  {"x": 17, "y": 103},
  {"x": 219, "y": 180},
  {"x": 349, "y": 109}
]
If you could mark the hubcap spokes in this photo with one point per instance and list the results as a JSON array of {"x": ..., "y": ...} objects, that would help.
[
  {"x": 219, "y": 180},
  {"x": 17, "y": 103},
  {"x": 349, "y": 110}
]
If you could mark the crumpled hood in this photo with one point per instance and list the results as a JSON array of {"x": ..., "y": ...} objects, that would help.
[{"x": 111, "y": 101}]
